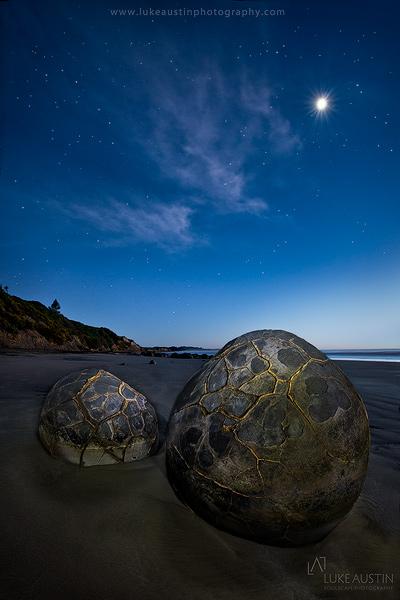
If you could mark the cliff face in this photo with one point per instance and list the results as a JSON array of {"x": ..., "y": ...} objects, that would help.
[{"x": 29, "y": 325}]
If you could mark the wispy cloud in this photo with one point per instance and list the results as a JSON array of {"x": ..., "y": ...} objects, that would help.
[
  {"x": 258, "y": 101},
  {"x": 167, "y": 225},
  {"x": 210, "y": 135}
]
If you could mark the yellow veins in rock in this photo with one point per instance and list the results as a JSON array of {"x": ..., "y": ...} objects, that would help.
[
  {"x": 307, "y": 419},
  {"x": 258, "y": 352},
  {"x": 291, "y": 381},
  {"x": 228, "y": 350},
  {"x": 258, "y": 459},
  {"x": 226, "y": 487},
  {"x": 192, "y": 468},
  {"x": 278, "y": 381},
  {"x": 300, "y": 349},
  {"x": 78, "y": 397},
  {"x": 186, "y": 406}
]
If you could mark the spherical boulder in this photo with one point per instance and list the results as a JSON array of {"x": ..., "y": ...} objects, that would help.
[
  {"x": 269, "y": 440},
  {"x": 91, "y": 417}
]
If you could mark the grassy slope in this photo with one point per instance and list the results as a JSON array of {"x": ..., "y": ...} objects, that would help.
[{"x": 18, "y": 316}]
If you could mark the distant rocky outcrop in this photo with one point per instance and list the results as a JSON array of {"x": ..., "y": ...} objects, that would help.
[
  {"x": 29, "y": 325},
  {"x": 174, "y": 352}
]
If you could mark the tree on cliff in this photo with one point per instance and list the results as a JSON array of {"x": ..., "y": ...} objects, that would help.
[{"x": 56, "y": 306}]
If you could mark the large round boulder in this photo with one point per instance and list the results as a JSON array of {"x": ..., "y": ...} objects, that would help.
[
  {"x": 91, "y": 417},
  {"x": 269, "y": 440}
]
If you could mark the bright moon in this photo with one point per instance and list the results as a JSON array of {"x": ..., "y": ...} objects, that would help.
[{"x": 321, "y": 104}]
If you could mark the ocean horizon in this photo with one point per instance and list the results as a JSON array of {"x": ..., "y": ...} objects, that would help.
[{"x": 381, "y": 355}]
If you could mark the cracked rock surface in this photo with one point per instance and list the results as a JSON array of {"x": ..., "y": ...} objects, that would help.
[
  {"x": 269, "y": 440},
  {"x": 92, "y": 417}
]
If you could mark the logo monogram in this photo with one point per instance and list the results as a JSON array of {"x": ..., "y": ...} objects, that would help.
[{"x": 319, "y": 564}]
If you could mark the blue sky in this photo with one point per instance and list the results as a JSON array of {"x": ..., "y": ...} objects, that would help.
[{"x": 169, "y": 177}]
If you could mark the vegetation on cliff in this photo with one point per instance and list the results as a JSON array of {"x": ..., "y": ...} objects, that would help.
[{"x": 28, "y": 324}]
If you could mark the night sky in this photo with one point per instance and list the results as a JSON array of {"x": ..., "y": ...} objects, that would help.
[{"x": 170, "y": 177}]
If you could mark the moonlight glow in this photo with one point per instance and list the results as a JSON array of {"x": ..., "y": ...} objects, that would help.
[{"x": 321, "y": 104}]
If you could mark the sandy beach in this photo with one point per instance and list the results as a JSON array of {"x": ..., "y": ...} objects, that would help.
[{"x": 104, "y": 533}]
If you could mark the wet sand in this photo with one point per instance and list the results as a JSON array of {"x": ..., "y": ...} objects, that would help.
[{"x": 119, "y": 532}]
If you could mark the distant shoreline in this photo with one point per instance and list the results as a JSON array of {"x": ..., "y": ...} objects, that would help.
[{"x": 384, "y": 355}]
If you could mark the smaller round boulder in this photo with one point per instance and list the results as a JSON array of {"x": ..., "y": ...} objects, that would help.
[{"x": 91, "y": 417}]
